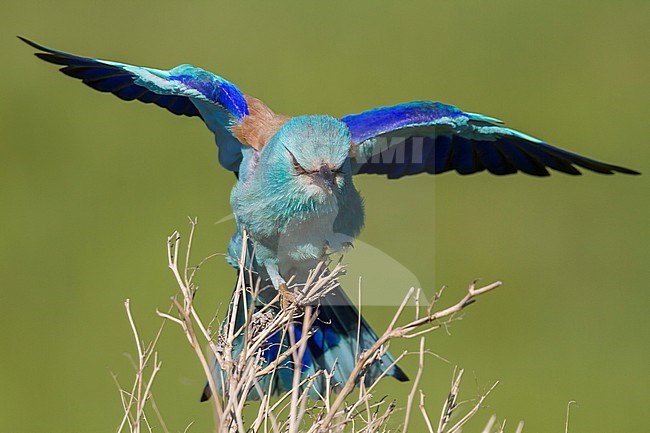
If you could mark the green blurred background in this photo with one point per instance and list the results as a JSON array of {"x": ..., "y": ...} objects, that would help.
[{"x": 91, "y": 187}]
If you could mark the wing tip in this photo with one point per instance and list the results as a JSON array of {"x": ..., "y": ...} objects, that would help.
[
  {"x": 34, "y": 44},
  {"x": 604, "y": 168},
  {"x": 47, "y": 54},
  {"x": 25, "y": 40},
  {"x": 624, "y": 170}
]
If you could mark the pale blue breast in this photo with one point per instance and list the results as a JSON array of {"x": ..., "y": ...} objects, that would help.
[{"x": 307, "y": 240}]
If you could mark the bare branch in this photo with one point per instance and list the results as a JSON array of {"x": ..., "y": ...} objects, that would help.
[{"x": 235, "y": 366}]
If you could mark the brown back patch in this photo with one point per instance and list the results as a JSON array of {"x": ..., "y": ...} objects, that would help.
[{"x": 259, "y": 126}]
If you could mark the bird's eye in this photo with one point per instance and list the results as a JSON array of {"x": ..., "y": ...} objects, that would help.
[{"x": 296, "y": 166}]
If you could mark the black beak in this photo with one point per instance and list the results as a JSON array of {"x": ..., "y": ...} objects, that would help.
[{"x": 325, "y": 173}]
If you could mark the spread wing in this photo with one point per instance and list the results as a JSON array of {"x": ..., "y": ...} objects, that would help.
[
  {"x": 183, "y": 90},
  {"x": 431, "y": 137}
]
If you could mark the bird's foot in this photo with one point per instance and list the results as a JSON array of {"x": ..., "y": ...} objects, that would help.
[{"x": 287, "y": 298}]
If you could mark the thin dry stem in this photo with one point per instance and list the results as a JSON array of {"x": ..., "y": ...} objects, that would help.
[
  {"x": 134, "y": 407},
  {"x": 235, "y": 363}
]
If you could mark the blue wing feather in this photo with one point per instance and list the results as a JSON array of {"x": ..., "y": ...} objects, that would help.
[
  {"x": 435, "y": 138},
  {"x": 520, "y": 160},
  {"x": 493, "y": 159},
  {"x": 183, "y": 90},
  {"x": 465, "y": 161},
  {"x": 104, "y": 77},
  {"x": 442, "y": 153},
  {"x": 382, "y": 120}
]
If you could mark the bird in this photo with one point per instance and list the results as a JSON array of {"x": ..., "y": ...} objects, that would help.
[{"x": 294, "y": 194}]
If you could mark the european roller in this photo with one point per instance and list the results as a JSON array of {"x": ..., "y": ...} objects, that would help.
[{"x": 295, "y": 193}]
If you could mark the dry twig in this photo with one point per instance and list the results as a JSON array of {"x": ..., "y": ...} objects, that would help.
[{"x": 238, "y": 352}]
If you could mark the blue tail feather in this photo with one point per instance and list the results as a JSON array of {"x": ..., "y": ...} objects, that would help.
[{"x": 335, "y": 345}]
